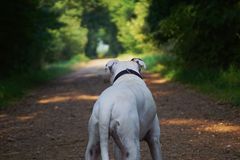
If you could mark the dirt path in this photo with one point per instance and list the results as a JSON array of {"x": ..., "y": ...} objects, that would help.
[{"x": 51, "y": 122}]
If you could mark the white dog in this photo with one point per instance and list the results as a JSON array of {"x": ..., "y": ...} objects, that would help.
[{"x": 125, "y": 111}]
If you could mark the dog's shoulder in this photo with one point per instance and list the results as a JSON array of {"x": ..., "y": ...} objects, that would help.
[{"x": 114, "y": 92}]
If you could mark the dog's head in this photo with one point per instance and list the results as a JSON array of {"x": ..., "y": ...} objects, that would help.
[
  {"x": 116, "y": 66},
  {"x": 140, "y": 63}
]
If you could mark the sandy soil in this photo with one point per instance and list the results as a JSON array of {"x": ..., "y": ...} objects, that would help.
[{"x": 50, "y": 123}]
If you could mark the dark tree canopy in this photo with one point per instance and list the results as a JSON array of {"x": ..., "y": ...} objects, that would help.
[
  {"x": 35, "y": 33},
  {"x": 204, "y": 33},
  {"x": 24, "y": 37}
]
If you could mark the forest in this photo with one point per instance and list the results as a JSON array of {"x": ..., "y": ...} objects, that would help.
[
  {"x": 200, "y": 36},
  {"x": 52, "y": 59}
]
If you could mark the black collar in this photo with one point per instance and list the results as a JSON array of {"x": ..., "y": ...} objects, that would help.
[{"x": 127, "y": 71}]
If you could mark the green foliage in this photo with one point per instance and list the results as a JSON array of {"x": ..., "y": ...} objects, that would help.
[
  {"x": 35, "y": 33},
  {"x": 129, "y": 17},
  {"x": 96, "y": 18},
  {"x": 38, "y": 32},
  {"x": 231, "y": 77},
  {"x": 204, "y": 33},
  {"x": 15, "y": 86},
  {"x": 24, "y": 34},
  {"x": 221, "y": 84},
  {"x": 203, "y": 37},
  {"x": 72, "y": 35}
]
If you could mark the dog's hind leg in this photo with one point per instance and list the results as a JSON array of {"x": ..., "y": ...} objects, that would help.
[
  {"x": 152, "y": 139},
  {"x": 128, "y": 149},
  {"x": 132, "y": 149},
  {"x": 117, "y": 152},
  {"x": 127, "y": 145},
  {"x": 117, "y": 143},
  {"x": 93, "y": 147}
]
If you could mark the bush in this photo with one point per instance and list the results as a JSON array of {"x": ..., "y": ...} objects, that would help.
[
  {"x": 220, "y": 84},
  {"x": 205, "y": 33}
]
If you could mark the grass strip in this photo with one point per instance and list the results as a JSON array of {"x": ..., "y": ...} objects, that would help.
[{"x": 17, "y": 85}]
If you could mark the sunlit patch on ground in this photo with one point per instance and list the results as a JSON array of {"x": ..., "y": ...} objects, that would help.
[
  {"x": 25, "y": 118},
  {"x": 54, "y": 99},
  {"x": 159, "y": 81},
  {"x": 222, "y": 128},
  {"x": 203, "y": 125},
  {"x": 154, "y": 79},
  {"x": 3, "y": 115},
  {"x": 58, "y": 99},
  {"x": 185, "y": 122},
  {"x": 28, "y": 117}
]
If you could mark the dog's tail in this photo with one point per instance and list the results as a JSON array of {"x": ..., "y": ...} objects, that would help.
[{"x": 104, "y": 124}]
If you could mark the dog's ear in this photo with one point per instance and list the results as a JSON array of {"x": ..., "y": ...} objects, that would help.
[
  {"x": 110, "y": 64},
  {"x": 140, "y": 63}
]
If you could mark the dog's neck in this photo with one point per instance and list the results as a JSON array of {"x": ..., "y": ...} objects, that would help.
[{"x": 126, "y": 71}]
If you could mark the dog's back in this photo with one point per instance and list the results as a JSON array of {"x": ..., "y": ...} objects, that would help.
[{"x": 127, "y": 112}]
